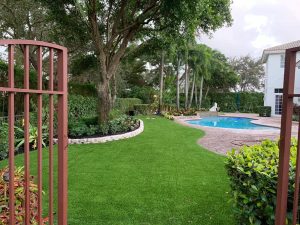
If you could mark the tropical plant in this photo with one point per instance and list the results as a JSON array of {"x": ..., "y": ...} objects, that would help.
[
  {"x": 33, "y": 136},
  {"x": 19, "y": 186}
]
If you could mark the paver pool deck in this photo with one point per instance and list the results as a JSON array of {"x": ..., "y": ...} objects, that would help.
[{"x": 222, "y": 140}]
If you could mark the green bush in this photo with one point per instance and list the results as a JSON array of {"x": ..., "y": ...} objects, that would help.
[
  {"x": 3, "y": 140},
  {"x": 125, "y": 105},
  {"x": 144, "y": 109},
  {"x": 82, "y": 89},
  {"x": 265, "y": 111},
  {"x": 246, "y": 102},
  {"x": 89, "y": 127},
  {"x": 81, "y": 107},
  {"x": 253, "y": 173}
]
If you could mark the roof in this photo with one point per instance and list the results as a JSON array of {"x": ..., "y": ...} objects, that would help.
[{"x": 279, "y": 49}]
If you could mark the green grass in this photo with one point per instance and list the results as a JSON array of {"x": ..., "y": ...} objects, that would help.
[{"x": 161, "y": 177}]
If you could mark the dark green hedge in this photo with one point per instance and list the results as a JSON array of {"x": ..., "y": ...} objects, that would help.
[
  {"x": 82, "y": 89},
  {"x": 247, "y": 102},
  {"x": 253, "y": 174},
  {"x": 264, "y": 111},
  {"x": 125, "y": 105}
]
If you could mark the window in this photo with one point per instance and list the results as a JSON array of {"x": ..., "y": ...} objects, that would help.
[
  {"x": 278, "y": 90},
  {"x": 282, "y": 61},
  {"x": 278, "y": 104}
]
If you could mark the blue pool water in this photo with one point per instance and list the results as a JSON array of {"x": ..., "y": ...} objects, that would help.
[{"x": 229, "y": 122}]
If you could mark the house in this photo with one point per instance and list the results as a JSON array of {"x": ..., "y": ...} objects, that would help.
[{"x": 274, "y": 59}]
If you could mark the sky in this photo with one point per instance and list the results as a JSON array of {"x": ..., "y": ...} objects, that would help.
[{"x": 258, "y": 24}]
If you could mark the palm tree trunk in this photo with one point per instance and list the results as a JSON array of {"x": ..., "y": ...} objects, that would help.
[
  {"x": 186, "y": 85},
  {"x": 192, "y": 91},
  {"x": 178, "y": 85},
  {"x": 161, "y": 83},
  {"x": 196, "y": 95},
  {"x": 200, "y": 92}
]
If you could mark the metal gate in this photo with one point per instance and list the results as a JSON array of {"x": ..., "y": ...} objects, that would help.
[
  {"x": 57, "y": 85},
  {"x": 285, "y": 143}
]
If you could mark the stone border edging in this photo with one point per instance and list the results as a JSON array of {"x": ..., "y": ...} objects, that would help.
[{"x": 109, "y": 138}]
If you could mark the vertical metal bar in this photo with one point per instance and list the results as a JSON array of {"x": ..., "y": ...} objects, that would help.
[
  {"x": 26, "y": 135},
  {"x": 40, "y": 132},
  {"x": 285, "y": 138},
  {"x": 297, "y": 179},
  {"x": 62, "y": 137},
  {"x": 51, "y": 119},
  {"x": 11, "y": 131}
]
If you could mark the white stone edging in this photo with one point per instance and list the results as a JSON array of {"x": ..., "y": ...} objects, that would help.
[{"x": 116, "y": 137}]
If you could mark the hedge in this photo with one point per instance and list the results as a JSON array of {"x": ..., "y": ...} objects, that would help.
[
  {"x": 82, "y": 89},
  {"x": 125, "y": 105},
  {"x": 265, "y": 111},
  {"x": 144, "y": 109},
  {"x": 253, "y": 173},
  {"x": 247, "y": 102}
]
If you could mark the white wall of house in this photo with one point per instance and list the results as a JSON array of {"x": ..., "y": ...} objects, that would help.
[{"x": 274, "y": 73}]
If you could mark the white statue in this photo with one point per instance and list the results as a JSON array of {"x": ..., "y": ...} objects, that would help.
[{"x": 214, "y": 108}]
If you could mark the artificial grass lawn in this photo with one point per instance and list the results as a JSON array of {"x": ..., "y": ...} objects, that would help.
[{"x": 161, "y": 177}]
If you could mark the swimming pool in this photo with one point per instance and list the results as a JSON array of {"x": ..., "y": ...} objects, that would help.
[{"x": 229, "y": 122}]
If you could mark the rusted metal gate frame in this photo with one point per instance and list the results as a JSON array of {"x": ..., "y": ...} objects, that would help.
[
  {"x": 61, "y": 130},
  {"x": 285, "y": 142}
]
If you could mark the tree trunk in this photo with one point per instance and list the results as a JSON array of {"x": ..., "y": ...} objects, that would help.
[
  {"x": 206, "y": 93},
  {"x": 178, "y": 85},
  {"x": 113, "y": 90},
  {"x": 192, "y": 91},
  {"x": 200, "y": 92},
  {"x": 186, "y": 85},
  {"x": 161, "y": 83},
  {"x": 104, "y": 102},
  {"x": 196, "y": 95}
]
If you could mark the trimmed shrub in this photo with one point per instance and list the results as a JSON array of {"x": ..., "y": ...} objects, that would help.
[
  {"x": 144, "y": 109},
  {"x": 253, "y": 173},
  {"x": 265, "y": 111},
  {"x": 246, "y": 102},
  {"x": 81, "y": 107},
  {"x": 125, "y": 105},
  {"x": 82, "y": 89}
]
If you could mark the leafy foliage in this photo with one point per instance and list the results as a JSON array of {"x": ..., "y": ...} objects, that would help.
[
  {"x": 3, "y": 140},
  {"x": 81, "y": 107},
  {"x": 231, "y": 101},
  {"x": 125, "y": 105},
  {"x": 19, "y": 185},
  {"x": 90, "y": 127},
  {"x": 253, "y": 173},
  {"x": 250, "y": 71},
  {"x": 144, "y": 109},
  {"x": 265, "y": 111}
]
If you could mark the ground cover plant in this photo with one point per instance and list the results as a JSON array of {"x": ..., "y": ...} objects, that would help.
[{"x": 161, "y": 177}]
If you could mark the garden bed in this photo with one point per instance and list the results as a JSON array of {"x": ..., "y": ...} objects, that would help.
[{"x": 103, "y": 139}]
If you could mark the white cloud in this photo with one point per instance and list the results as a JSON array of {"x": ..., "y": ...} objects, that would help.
[
  {"x": 264, "y": 41},
  {"x": 256, "y": 22}
]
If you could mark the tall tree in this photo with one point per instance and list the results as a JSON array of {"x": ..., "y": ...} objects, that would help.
[
  {"x": 107, "y": 27},
  {"x": 250, "y": 72}
]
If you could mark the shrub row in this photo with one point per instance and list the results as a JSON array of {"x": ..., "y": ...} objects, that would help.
[
  {"x": 253, "y": 173},
  {"x": 89, "y": 127},
  {"x": 248, "y": 102}
]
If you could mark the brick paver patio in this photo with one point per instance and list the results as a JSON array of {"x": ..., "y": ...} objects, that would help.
[{"x": 221, "y": 140}]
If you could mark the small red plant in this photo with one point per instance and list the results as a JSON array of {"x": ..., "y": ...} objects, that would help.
[{"x": 19, "y": 184}]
